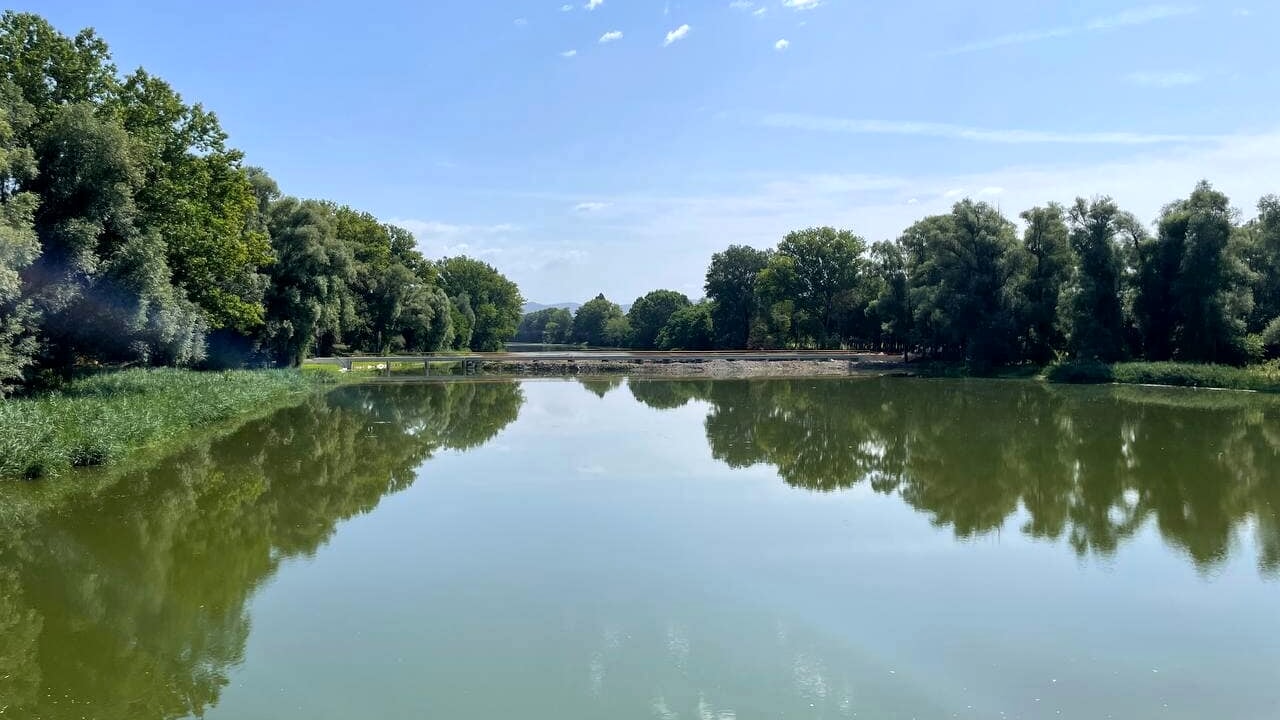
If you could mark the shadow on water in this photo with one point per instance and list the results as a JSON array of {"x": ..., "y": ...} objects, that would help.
[
  {"x": 1089, "y": 466},
  {"x": 134, "y": 597}
]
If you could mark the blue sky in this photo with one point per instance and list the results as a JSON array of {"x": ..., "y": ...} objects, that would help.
[{"x": 614, "y": 148}]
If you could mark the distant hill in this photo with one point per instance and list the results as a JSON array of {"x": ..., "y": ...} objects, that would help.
[{"x": 533, "y": 307}]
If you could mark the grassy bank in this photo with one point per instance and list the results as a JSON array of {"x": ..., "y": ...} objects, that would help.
[
  {"x": 1260, "y": 378},
  {"x": 104, "y": 418}
]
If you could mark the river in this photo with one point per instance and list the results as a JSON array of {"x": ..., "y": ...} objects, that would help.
[{"x": 731, "y": 549}]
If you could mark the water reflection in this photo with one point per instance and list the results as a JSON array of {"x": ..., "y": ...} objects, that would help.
[
  {"x": 1086, "y": 465},
  {"x": 129, "y": 599}
]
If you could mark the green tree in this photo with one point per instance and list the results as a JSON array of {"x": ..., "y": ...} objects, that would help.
[
  {"x": 730, "y": 285},
  {"x": 650, "y": 313},
  {"x": 827, "y": 267},
  {"x": 967, "y": 272},
  {"x": 18, "y": 242},
  {"x": 102, "y": 284},
  {"x": 591, "y": 322},
  {"x": 50, "y": 69},
  {"x": 308, "y": 298},
  {"x": 550, "y": 326},
  {"x": 1210, "y": 287},
  {"x": 194, "y": 194},
  {"x": 1048, "y": 248},
  {"x": 1093, "y": 309},
  {"x": 494, "y": 300},
  {"x": 890, "y": 311},
  {"x": 689, "y": 328},
  {"x": 617, "y": 332}
]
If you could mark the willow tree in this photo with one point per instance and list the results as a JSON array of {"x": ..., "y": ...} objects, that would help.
[{"x": 1093, "y": 312}]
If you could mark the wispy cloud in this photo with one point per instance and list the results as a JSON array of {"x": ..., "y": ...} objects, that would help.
[
  {"x": 436, "y": 237},
  {"x": 760, "y": 11},
  {"x": 566, "y": 8},
  {"x": 593, "y": 4},
  {"x": 590, "y": 207},
  {"x": 521, "y": 21},
  {"x": 1163, "y": 79},
  {"x": 742, "y": 4},
  {"x": 678, "y": 34},
  {"x": 569, "y": 53},
  {"x": 611, "y": 36},
  {"x": 782, "y": 44},
  {"x": 1128, "y": 18},
  {"x": 801, "y": 4},
  {"x": 793, "y": 121}
]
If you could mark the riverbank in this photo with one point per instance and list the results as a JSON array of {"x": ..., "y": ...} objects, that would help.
[
  {"x": 105, "y": 418},
  {"x": 868, "y": 364},
  {"x": 1256, "y": 378},
  {"x": 1259, "y": 378}
]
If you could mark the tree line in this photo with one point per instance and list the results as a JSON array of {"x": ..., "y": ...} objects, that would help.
[
  {"x": 1086, "y": 281},
  {"x": 132, "y": 233}
]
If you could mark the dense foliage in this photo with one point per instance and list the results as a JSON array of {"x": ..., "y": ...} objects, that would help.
[
  {"x": 1086, "y": 282},
  {"x": 132, "y": 234}
]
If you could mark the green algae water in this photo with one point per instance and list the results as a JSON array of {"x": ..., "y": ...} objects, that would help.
[{"x": 836, "y": 548}]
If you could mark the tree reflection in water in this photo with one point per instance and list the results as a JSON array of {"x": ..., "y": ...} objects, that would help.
[
  {"x": 1086, "y": 465},
  {"x": 130, "y": 601}
]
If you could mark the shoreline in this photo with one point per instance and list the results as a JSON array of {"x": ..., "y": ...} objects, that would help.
[{"x": 863, "y": 365}]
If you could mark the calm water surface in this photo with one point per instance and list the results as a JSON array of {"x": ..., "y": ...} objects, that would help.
[{"x": 732, "y": 549}]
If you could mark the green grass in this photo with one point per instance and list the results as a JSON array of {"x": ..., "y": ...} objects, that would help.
[
  {"x": 1261, "y": 378},
  {"x": 104, "y": 418}
]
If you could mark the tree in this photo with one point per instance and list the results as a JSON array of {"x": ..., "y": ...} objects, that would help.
[
  {"x": 890, "y": 311},
  {"x": 308, "y": 299},
  {"x": 689, "y": 328},
  {"x": 494, "y": 300},
  {"x": 18, "y": 242},
  {"x": 1093, "y": 312},
  {"x": 51, "y": 70},
  {"x": 617, "y": 332},
  {"x": 1263, "y": 246},
  {"x": 591, "y": 322},
  {"x": 1209, "y": 288},
  {"x": 650, "y": 313},
  {"x": 194, "y": 194},
  {"x": 550, "y": 326},
  {"x": 102, "y": 284},
  {"x": 730, "y": 285},
  {"x": 826, "y": 269},
  {"x": 967, "y": 271},
  {"x": 1048, "y": 248}
]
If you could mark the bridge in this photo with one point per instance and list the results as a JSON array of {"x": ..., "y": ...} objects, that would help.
[{"x": 470, "y": 361}]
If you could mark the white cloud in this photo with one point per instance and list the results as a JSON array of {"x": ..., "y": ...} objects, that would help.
[
  {"x": 953, "y": 193},
  {"x": 782, "y": 44},
  {"x": 801, "y": 4},
  {"x": 1128, "y": 18},
  {"x": 590, "y": 207},
  {"x": 566, "y": 8},
  {"x": 611, "y": 36},
  {"x": 991, "y": 190},
  {"x": 760, "y": 11},
  {"x": 569, "y": 53},
  {"x": 593, "y": 4},
  {"x": 446, "y": 239},
  {"x": 1163, "y": 79},
  {"x": 679, "y": 33},
  {"x": 684, "y": 230},
  {"x": 913, "y": 201},
  {"x": 794, "y": 121},
  {"x": 521, "y": 21},
  {"x": 742, "y": 4}
]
